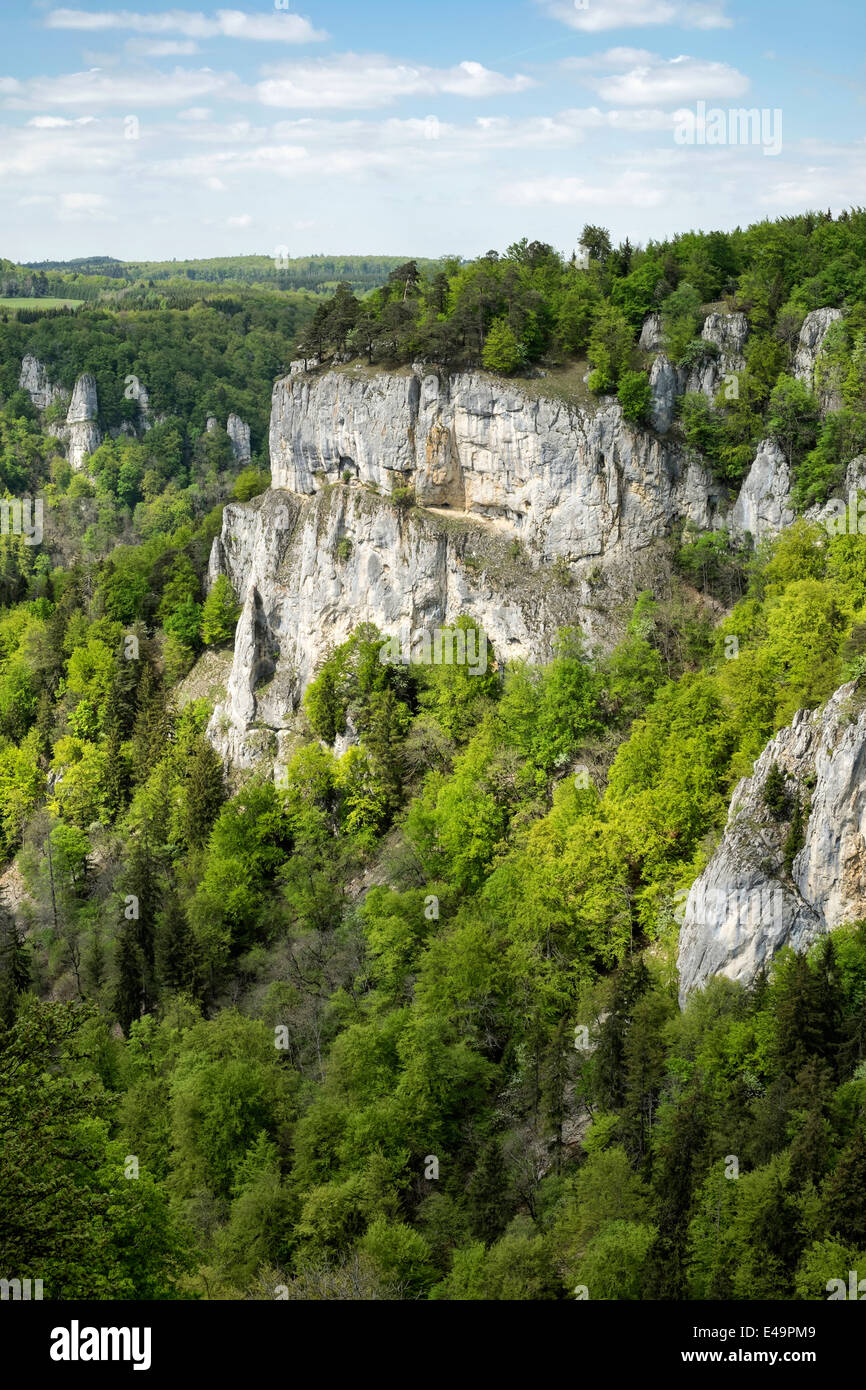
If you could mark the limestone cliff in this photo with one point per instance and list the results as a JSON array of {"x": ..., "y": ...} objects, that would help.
[
  {"x": 566, "y": 481},
  {"x": 745, "y": 905},
  {"x": 83, "y": 433},
  {"x": 507, "y": 483},
  {"x": 34, "y": 380}
]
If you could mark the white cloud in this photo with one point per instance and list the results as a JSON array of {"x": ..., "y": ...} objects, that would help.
[
  {"x": 161, "y": 48},
  {"x": 597, "y": 16},
  {"x": 243, "y": 220},
  {"x": 59, "y": 122},
  {"x": 76, "y": 207},
  {"x": 358, "y": 81},
  {"x": 232, "y": 24},
  {"x": 128, "y": 90},
  {"x": 634, "y": 188},
  {"x": 672, "y": 80}
]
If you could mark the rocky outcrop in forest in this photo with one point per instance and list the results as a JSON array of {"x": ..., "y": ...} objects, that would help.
[
  {"x": 792, "y": 861},
  {"x": 506, "y": 483}
]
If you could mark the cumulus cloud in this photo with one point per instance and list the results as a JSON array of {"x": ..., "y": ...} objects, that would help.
[
  {"x": 231, "y": 24},
  {"x": 358, "y": 81},
  {"x": 59, "y": 122},
  {"x": 597, "y": 16},
  {"x": 633, "y": 188},
  {"x": 667, "y": 80},
  {"x": 131, "y": 89}
]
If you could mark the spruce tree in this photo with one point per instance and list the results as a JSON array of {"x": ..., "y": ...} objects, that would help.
[
  {"x": 176, "y": 955},
  {"x": 205, "y": 791},
  {"x": 129, "y": 988}
]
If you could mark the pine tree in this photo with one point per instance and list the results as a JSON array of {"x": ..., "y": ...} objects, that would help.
[
  {"x": 152, "y": 727},
  {"x": 176, "y": 955},
  {"x": 94, "y": 962},
  {"x": 845, "y": 1209},
  {"x": 129, "y": 989},
  {"x": 632, "y": 981},
  {"x": 675, "y": 1182},
  {"x": 15, "y": 969},
  {"x": 116, "y": 776},
  {"x": 142, "y": 885},
  {"x": 205, "y": 791},
  {"x": 487, "y": 1195}
]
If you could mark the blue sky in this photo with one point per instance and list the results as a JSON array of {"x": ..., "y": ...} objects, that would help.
[{"x": 417, "y": 128}]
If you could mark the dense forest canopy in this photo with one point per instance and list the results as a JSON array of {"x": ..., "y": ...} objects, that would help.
[{"x": 405, "y": 1025}]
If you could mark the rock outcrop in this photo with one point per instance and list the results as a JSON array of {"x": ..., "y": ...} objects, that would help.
[
  {"x": 745, "y": 905},
  {"x": 664, "y": 382},
  {"x": 82, "y": 433},
  {"x": 34, "y": 380},
  {"x": 652, "y": 333},
  {"x": 816, "y": 326},
  {"x": 763, "y": 507},
  {"x": 564, "y": 480},
  {"x": 505, "y": 482},
  {"x": 239, "y": 436},
  {"x": 725, "y": 336}
]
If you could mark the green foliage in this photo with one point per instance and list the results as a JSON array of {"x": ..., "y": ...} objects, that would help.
[
  {"x": 635, "y": 396},
  {"x": 220, "y": 614},
  {"x": 502, "y": 351}
]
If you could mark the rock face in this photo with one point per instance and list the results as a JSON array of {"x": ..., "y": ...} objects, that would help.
[
  {"x": 84, "y": 405},
  {"x": 763, "y": 507},
  {"x": 565, "y": 481},
  {"x": 239, "y": 435},
  {"x": 308, "y": 570},
  {"x": 815, "y": 329},
  {"x": 665, "y": 388},
  {"x": 651, "y": 334},
  {"x": 491, "y": 466},
  {"x": 745, "y": 906},
  {"x": 34, "y": 380},
  {"x": 726, "y": 336},
  {"x": 82, "y": 432}
]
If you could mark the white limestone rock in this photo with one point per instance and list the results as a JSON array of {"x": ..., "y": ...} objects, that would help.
[
  {"x": 566, "y": 481},
  {"x": 84, "y": 405},
  {"x": 493, "y": 466},
  {"x": 664, "y": 383},
  {"x": 34, "y": 380},
  {"x": 652, "y": 333},
  {"x": 810, "y": 365},
  {"x": 763, "y": 507},
  {"x": 744, "y": 907},
  {"x": 82, "y": 433},
  {"x": 239, "y": 435},
  {"x": 726, "y": 336}
]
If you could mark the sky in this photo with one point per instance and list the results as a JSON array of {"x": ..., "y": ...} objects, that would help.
[{"x": 424, "y": 127}]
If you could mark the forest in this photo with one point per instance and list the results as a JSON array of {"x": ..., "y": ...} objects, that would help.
[{"x": 405, "y": 1025}]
